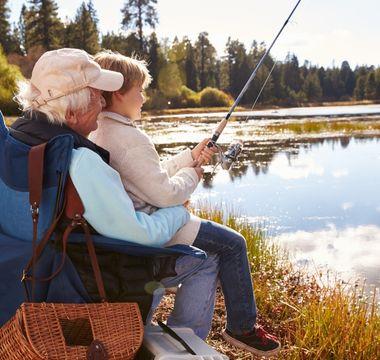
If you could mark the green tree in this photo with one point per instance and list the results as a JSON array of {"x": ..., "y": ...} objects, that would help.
[
  {"x": 238, "y": 67},
  {"x": 137, "y": 14},
  {"x": 169, "y": 80},
  {"x": 42, "y": 25},
  {"x": 21, "y": 28},
  {"x": 360, "y": 87},
  {"x": 291, "y": 74},
  {"x": 192, "y": 79},
  {"x": 370, "y": 86},
  {"x": 155, "y": 58},
  {"x": 377, "y": 78},
  {"x": 83, "y": 32},
  {"x": 115, "y": 42},
  {"x": 177, "y": 54},
  {"x": 5, "y": 27},
  {"x": 205, "y": 55},
  {"x": 347, "y": 76},
  {"x": 312, "y": 87}
]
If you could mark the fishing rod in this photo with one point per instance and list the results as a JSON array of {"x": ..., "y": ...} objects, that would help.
[
  {"x": 262, "y": 88},
  {"x": 234, "y": 150}
]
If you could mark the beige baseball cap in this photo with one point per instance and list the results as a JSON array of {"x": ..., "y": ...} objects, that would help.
[{"x": 61, "y": 72}]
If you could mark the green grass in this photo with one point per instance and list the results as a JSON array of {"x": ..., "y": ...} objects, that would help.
[
  {"x": 314, "y": 320},
  {"x": 347, "y": 127}
]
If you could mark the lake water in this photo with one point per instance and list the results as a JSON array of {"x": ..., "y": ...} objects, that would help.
[{"x": 316, "y": 194}]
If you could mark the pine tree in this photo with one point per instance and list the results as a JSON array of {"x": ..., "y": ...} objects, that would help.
[
  {"x": 154, "y": 58},
  {"x": 205, "y": 60},
  {"x": 42, "y": 25},
  {"x": 360, "y": 87},
  {"x": 114, "y": 42},
  {"x": 15, "y": 41},
  {"x": 5, "y": 28},
  {"x": 312, "y": 87},
  {"x": 192, "y": 80},
  {"x": 377, "y": 78},
  {"x": 291, "y": 74},
  {"x": 137, "y": 14},
  {"x": 84, "y": 30},
  {"x": 347, "y": 76},
  {"x": 238, "y": 67},
  {"x": 370, "y": 86}
]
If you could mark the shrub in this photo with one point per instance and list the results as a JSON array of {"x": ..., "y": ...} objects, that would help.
[
  {"x": 9, "y": 75},
  {"x": 186, "y": 99},
  {"x": 214, "y": 97}
]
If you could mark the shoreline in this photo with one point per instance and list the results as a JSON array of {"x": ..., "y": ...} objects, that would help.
[{"x": 182, "y": 111}]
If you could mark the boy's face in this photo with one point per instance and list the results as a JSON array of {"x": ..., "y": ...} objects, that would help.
[{"x": 132, "y": 101}]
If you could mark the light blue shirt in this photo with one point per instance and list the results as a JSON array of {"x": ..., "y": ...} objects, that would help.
[{"x": 109, "y": 209}]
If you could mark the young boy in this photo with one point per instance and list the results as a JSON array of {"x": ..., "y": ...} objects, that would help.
[{"x": 154, "y": 184}]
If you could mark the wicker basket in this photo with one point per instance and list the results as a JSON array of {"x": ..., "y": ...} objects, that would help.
[{"x": 66, "y": 331}]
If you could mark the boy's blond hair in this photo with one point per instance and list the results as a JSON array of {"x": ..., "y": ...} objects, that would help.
[{"x": 135, "y": 71}]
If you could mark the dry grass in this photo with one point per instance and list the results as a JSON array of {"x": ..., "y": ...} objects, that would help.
[{"x": 313, "y": 320}]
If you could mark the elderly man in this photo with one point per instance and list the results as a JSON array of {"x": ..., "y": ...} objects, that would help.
[{"x": 64, "y": 97}]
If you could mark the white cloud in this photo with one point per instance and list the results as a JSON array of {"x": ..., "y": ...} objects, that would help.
[{"x": 299, "y": 168}]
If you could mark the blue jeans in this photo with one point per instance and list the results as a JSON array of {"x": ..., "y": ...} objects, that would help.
[{"x": 227, "y": 260}]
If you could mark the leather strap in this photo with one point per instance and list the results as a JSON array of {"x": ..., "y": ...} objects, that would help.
[
  {"x": 35, "y": 173},
  {"x": 73, "y": 210},
  {"x": 35, "y": 178}
]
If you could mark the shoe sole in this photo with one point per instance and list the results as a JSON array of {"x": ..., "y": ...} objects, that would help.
[{"x": 246, "y": 347}]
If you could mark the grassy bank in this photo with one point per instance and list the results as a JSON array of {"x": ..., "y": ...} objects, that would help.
[
  {"x": 331, "y": 126},
  {"x": 314, "y": 321}
]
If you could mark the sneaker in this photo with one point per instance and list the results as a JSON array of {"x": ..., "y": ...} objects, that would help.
[{"x": 258, "y": 341}]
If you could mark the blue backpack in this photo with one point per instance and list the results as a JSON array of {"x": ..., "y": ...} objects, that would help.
[{"x": 132, "y": 265}]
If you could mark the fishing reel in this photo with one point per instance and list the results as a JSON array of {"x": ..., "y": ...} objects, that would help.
[{"x": 227, "y": 158}]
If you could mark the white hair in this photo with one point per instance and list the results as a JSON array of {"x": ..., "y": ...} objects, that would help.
[{"x": 55, "y": 109}]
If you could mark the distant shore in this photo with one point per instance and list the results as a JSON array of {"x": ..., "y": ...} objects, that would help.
[{"x": 181, "y": 111}]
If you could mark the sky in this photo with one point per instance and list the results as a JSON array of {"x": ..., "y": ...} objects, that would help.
[{"x": 325, "y": 32}]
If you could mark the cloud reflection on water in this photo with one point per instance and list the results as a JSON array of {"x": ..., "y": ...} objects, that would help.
[{"x": 350, "y": 251}]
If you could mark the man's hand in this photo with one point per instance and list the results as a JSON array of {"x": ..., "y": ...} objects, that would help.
[{"x": 202, "y": 152}]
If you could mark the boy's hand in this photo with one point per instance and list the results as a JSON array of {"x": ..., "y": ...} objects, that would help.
[
  {"x": 199, "y": 170},
  {"x": 202, "y": 152}
]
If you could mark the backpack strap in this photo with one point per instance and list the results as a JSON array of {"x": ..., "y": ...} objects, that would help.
[{"x": 73, "y": 209}]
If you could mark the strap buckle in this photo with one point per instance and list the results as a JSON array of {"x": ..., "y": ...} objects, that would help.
[{"x": 35, "y": 210}]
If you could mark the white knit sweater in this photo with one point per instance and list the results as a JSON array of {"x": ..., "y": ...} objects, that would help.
[{"x": 150, "y": 183}]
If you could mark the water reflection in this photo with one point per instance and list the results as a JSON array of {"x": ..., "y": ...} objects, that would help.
[
  {"x": 351, "y": 251},
  {"x": 259, "y": 155},
  {"x": 318, "y": 194}
]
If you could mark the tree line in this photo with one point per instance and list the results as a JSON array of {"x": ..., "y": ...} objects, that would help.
[{"x": 181, "y": 68}]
